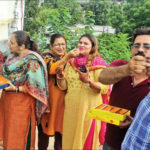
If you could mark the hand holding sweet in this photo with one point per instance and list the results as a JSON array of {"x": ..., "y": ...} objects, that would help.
[
  {"x": 73, "y": 53},
  {"x": 137, "y": 65}
]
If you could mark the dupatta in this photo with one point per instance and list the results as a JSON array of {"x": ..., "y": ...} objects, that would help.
[
  {"x": 30, "y": 72},
  {"x": 95, "y": 64}
]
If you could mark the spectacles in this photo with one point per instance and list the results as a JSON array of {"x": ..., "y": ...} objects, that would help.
[
  {"x": 59, "y": 44},
  {"x": 138, "y": 46}
]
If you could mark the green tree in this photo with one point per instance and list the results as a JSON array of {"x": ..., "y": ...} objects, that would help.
[
  {"x": 130, "y": 15},
  {"x": 114, "y": 46},
  {"x": 100, "y": 8},
  {"x": 59, "y": 21},
  {"x": 31, "y": 11},
  {"x": 73, "y": 7},
  {"x": 36, "y": 17}
]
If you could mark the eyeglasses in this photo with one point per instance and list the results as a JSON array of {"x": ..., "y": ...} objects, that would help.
[
  {"x": 138, "y": 46},
  {"x": 59, "y": 44}
]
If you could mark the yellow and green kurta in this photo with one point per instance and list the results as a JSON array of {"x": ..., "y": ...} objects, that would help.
[{"x": 80, "y": 98}]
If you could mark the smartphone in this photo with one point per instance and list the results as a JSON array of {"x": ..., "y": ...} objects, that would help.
[{"x": 82, "y": 68}]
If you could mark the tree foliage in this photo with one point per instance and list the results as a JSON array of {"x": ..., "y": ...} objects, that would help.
[
  {"x": 31, "y": 11},
  {"x": 59, "y": 15},
  {"x": 124, "y": 16},
  {"x": 52, "y": 21},
  {"x": 130, "y": 15},
  {"x": 35, "y": 13},
  {"x": 114, "y": 46},
  {"x": 100, "y": 9},
  {"x": 73, "y": 7}
]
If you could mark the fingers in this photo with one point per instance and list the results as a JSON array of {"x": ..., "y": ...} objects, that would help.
[
  {"x": 74, "y": 53},
  {"x": 148, "y": 65},
  {"x": 128, "y": 117},
  {"x": 59, "y": 70},
  {"x": 139, "y": 61},
  {"x": 148, "y": 59},
  {"x": 127, "y": 122},
  {"x": 12, "y": 85},
  {"x": 139, "y": 58},
  {"x": 137, "y": 64},
  {"x": 84, "y": 77},
  {"x": 7, "y": 88}
]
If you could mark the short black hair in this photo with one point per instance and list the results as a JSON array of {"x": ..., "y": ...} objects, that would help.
[{"x": 140, "y": 31}]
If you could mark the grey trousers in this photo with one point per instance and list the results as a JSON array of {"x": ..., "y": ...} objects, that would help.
[{"x": 107, "y": 147}]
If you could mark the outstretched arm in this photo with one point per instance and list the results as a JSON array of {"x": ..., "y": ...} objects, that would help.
[{"x": 112, "y": 75}]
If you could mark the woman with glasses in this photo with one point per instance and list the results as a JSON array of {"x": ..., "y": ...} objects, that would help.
[{"x": 51, "y": 123}]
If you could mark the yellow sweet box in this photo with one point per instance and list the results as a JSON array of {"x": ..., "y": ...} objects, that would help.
[{"x": 109, "y": 114}]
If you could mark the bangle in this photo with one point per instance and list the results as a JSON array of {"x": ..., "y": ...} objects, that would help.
[{"x": 60, "y": 78}]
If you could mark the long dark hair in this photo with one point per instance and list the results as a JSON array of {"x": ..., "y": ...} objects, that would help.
[{"x": 23, "y": 38}]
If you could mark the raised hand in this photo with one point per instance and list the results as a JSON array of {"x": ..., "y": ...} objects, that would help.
[
  {"x": 73, "y": 53},
  {"x": 59, "y": 73},
  {"x": 137, "y": 65}
]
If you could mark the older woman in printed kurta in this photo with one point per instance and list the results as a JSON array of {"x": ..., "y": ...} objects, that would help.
[
  {"x": 83, "y": 93},
  {"x": 23, "y": 102},
  {"x": 52, "y": 121}
]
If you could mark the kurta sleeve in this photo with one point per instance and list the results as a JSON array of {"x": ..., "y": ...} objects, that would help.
[
  {"x": 64, "y": 87},
  {"x": 52, "y": 62}
]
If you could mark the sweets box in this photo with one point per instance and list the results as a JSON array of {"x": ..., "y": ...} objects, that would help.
[
  {"x": 110, "y": 114},
  {"x": 4, "y": 82}
]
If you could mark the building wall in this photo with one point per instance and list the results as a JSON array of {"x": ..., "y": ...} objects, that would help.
[{"x": 11, "y": 19}]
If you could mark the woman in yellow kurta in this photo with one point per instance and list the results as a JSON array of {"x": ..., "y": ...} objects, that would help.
[{"x": 83, "y": 93}]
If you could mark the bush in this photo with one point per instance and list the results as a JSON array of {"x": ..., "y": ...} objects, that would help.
[{"x": 114, "y": 46}]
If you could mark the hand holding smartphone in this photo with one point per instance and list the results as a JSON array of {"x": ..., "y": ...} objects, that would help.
[{"x": 82, "y": 68}]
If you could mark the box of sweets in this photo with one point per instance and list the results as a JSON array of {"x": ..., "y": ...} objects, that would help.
[
  {"x": 109, "y": 114},
  {"x": 4, "y": 82}
]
